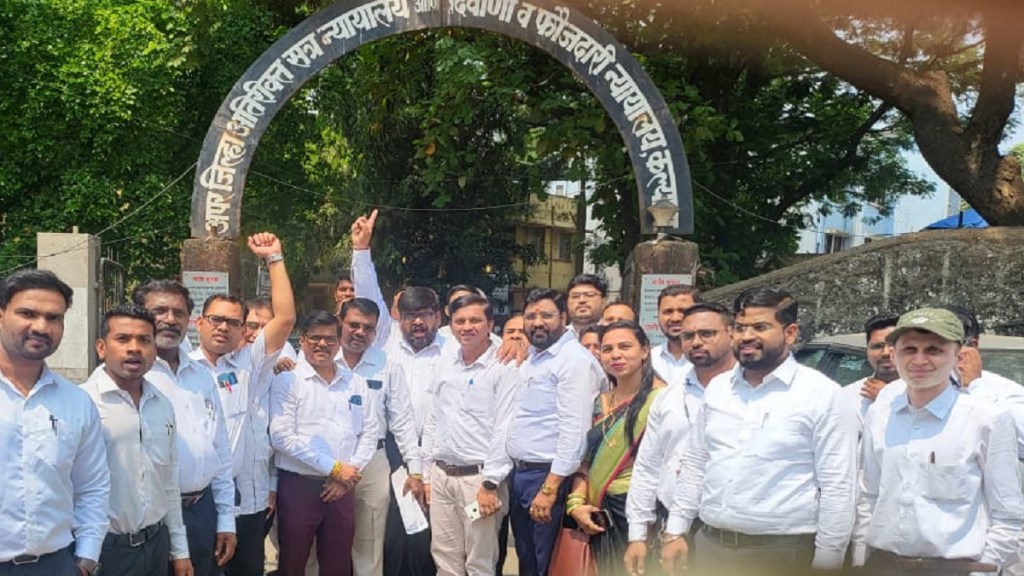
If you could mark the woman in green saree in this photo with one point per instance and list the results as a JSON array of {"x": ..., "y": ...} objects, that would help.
[{"x": 598, "y": 499}]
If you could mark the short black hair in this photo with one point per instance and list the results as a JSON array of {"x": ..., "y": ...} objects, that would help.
[
  {"x": 470, "y": 300},
  {"x": 462, "y": 288},
  {"x": 538, "y": 294},
  {"x": 362, "y": 305},
  {"x": 712, "y": 307},
  {"x": 318, "y": 318},
  {"x": 879, "y": 321},
  {"x": 786, "y": 307},
  {"x": 259, "y": 303},
  {"x": 33, "y": 280},
  {"x": 972, "y": 327},
  {"x": 679, "y": 290},
  {"x": 589, "y": 280},
  {"x": 133, "y": 311},
  {"x": 418, "y": 297},
  {"x": 592, "y": 329},
  {"x": 165, "y": 286},
  {"x": 344, "y": 275},
  {"x": 226, "y": 298}
]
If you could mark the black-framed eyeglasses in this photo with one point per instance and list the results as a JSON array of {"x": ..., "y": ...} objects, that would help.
[
  {"x": 418, "y": 315},
  {"x": 704, "y": 334},
  {"x": 218, "y": 320},
  {"x": 318, "y": 338}
]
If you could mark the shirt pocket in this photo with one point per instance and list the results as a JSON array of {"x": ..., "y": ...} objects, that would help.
[
  {"x": 477, "y": 400},
  {"x": 782, "y": 442},
  {"x": 162, "y": 439},
  {"x": 539, "y": 397},
  {"x": 54, "y": 444},
  {"x": 947, "y": 483},
  {"x": 356, "y": 414}
]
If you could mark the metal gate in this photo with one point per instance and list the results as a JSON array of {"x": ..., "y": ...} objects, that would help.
[{"x": 111, "y": 283}]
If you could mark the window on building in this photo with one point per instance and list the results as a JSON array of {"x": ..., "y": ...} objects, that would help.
[
  {"x": 535, "y": 239},
  {"x": 563, "y": 251},
  {"x": 837, "y": 242}
]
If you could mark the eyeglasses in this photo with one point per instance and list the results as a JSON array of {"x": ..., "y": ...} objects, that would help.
[
  {"x": 254, "y": 326},
  {"x": 420, "y": 315},
  {"x": 317, "y": 338},
  {"x": 357, "y": 326},
  {"x": 705, "y": 334},
  {"x": 582, "y": 295},
  {"x": 218, "y": 320}
]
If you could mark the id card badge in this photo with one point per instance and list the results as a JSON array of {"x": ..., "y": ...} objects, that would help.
[
  {"x": 227, "y": 380},
  {"x": 355, "y": 412}
]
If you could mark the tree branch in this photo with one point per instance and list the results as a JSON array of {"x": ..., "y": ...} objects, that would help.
[{"x": 998, "y": 83}]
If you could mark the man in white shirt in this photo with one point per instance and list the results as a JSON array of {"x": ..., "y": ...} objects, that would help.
[
  {"x": 204, "y": 455},
  {"x": 146, "y": 528},
  {"x": 770, "y": 462},
  {"x": 243, "y": 377},
  {"x": 586, "y": 297},
  {"x": 706, "y": 342},
  {"x": 55, "y": 483},
  {"x": 386, "y": 383},
  {"x": 324, "y": 428},
  {"x": 547, "y": 435},
  {"x": 617, "y": 311},
  {"x": 463, "y": 443},
  {"x": 863, "y": 392},
  {"x": 668, "y": 358},
  {"x": 940, "y": 486}
]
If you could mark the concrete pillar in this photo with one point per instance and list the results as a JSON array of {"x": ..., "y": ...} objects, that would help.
[
  {"x": 209, "y": 266},
  {"x": 651, "y": 267},
  {"x": 74, "y": 258}
]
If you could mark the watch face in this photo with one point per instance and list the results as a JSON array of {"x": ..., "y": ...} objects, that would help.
[{"x": 490, "y": 485}]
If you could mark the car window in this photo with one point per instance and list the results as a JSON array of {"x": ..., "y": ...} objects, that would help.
[
  {"x": 810, "y": 357},
  {"x": 1006, "y": 363},
  {"x": 849, "y": 368}
]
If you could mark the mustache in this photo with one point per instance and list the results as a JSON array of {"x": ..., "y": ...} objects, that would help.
[
  {"x": 168, "y": 327},
  {"x": 41, "y": 336}
]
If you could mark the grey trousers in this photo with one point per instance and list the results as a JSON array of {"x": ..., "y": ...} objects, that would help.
[
  {"x": 717, "y": 559},
  {"x": 59, "y": 563},
  {"x": 148, "y": 559}
]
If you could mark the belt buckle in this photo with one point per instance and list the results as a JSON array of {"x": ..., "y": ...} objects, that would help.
[
  {"x": 449, "y": 470},
  {"x": 136, "y": 539},
  {"x": 25, "y": 559},
  {"x": 729, "y": 538}
]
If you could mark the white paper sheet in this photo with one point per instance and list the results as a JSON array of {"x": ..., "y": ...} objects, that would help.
[{"x": 412, "y": 515}]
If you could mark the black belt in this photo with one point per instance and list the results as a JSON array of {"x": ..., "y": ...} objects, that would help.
[
  {"x": 190, "y": 499},
  {"x": 740, "y": 540},
  {"x": 136, "y": 539},
  {"x": 880, "y": 558},
  {"x": 453, "y": 470},
  {"x": 380, "y": 444},
  {"x": 27, "y": 559},
  {"x": 528, "y": 466}
]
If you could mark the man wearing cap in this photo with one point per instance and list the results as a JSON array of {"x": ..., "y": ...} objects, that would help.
[{"x": 939, "y": 489}]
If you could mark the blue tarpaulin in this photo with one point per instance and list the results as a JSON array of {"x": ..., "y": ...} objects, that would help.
[{"x": 966, "y": 219}]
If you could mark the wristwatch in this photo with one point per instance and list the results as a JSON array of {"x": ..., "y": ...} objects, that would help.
[
  {"x": 90, "y": 566},
  {"x": 275, "y": 257},
  {"x": 491, "y": 486},
  {"x": 547, "y": 490}
]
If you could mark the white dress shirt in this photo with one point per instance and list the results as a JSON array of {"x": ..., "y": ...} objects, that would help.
[
  {"x": 851, "y": 394},
  {"x": 142, "y": 456},
  {"x": 671, "y": 369},
  {"x": 246, "y": 404},
  {"x": 940, "y": 481},
  {"x": 204, "y": 455},
  {"x": 656, "y": 466},
  {"x": 365, "y": 284},
  {"x": 555, "y": 405},
  {"x": 386, "y": 381},
  {"x": 473, "y": 405},
  {"x": 418, "y": 369},
  {"x": 778, "y": 458},
  {"x": 55, "y": 483},
  {"x": 1006, "y": 394},
  {"x": 316, "y": 423}
]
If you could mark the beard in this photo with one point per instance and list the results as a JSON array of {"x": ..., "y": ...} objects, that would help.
[{"x": 769, "y": 357}]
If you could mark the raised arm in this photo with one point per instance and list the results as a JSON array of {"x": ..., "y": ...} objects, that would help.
[
  {"x": 268, "y": 246},
  {"x": 364, "y": 274}
]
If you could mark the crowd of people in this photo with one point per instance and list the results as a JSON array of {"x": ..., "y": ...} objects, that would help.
[{"x": 390, "y": 444}]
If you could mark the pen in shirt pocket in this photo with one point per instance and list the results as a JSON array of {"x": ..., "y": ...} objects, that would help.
[{"x": 931, "y": 457}]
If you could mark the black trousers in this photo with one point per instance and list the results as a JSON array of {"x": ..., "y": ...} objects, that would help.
[
  {"x": 120, "y": 558},
  {"x": 249, "y": 554},
  {"x": 201, "y": 529},
  {"x": 59, "y": 563},
  {"x": 404, "y": 554}
]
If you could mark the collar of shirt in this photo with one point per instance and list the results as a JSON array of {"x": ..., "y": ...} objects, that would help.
[
  {"x": 784, "y": 373},
  {"x": 231, "y": 358},
  {"x": 342, "y": 375},
  {"x": 693, "y": 385},
  {"x": 568, "y": 336},
  {"x": 665, "y": 353},
  {"x": 485, "y": 359},
  {"x": 437, "y": 344},
  {"x": 46, "y": 378},
  {"x": 939, "y": 406},
  {"x": 106, "y": 384},
  {"x": 372, "y": 359}
]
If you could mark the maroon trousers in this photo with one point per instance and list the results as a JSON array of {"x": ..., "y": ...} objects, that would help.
[{"x": 302, "y": 516}]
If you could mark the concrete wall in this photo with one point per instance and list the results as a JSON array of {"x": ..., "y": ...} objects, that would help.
[
  {"x": 73, "y": 258},
  {"x": 980, "y": 269}
]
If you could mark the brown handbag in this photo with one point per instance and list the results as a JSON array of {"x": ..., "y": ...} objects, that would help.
[{"x": 572, "y": 555}]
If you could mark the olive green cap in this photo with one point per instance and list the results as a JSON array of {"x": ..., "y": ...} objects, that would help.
[{"x": 938, "y": 321}]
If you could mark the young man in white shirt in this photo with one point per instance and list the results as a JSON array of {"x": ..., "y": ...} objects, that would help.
[
  {"x": 324, "y": 428},
  {"x": 706, "y": 342},
  {"x": 204, "y": 453},
  {"x": 146, "y": 528},
  {"x": 863, "y": 392},
  {"x": 547, "y": 436},
  {"x": 770, "y": 463},
  {"x": 668, "y": 358},
  {"x": 463, "y": 442},
  {"x": 586, "y": 296},
  {"x": 940, "y": 488},
  {"x": 243, "y": 376},
  {"x": 55, "y": 484}
]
